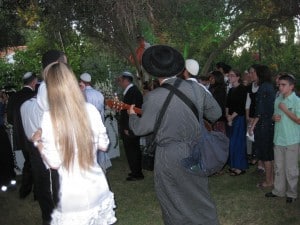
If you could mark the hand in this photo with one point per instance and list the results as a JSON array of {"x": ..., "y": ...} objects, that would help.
[
  {"x": 250, "y": 130},
  {"x": 36, "y": 138},
  {"x": 131, "y": 110},
  {"x": 126, "y": 132},
  {"x": 229, "y": 120},
  {"x": 276, "y": 117}
]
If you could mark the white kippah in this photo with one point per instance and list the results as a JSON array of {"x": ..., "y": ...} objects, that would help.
[
  {"x": 27, "y": 75},
  {"x": 85, "y": 77},
  {"x": 127, "y": 74},
  {"x": 192, "y": 66}
]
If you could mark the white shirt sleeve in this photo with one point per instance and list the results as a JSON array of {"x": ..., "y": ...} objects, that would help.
[
  {"x": 42, "y": 97},
  {"x": 31, "y": 116},
  {"x": 50, "y": 153},
  {"x": 248, "y": 101}
]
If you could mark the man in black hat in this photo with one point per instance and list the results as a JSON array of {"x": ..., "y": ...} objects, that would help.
[
  {"x": 20, "y": 141},
  {"x": 131, "y": 143},
  {"x": 184, "y": 197}
]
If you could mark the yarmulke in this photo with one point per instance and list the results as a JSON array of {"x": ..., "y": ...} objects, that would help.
[
  {"x": 192, "y": 66},
  {"x": 85, "y": 77},
  {"x": 28, "y": 77},
  {"x": 126, "y": 74}
]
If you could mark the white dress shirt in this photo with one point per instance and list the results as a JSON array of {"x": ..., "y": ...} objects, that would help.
[{"x": 95, "y": 98}]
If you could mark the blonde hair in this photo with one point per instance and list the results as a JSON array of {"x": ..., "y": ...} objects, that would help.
[{"x": 69, "y": 117}]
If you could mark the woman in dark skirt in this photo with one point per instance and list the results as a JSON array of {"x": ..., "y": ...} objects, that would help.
[
  {"x": 7, "y": 173},
  {"x": 263, "y": 125},
  {"x": 235, "y": 114},
  {"x": 218, "y": 90}
]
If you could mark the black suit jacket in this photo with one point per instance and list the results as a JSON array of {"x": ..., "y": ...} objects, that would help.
[
  {"x": 132, "y": 96},
  {"x": 14, "y": 116}
]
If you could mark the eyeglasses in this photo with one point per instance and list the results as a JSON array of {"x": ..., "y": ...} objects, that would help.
[{"x": 232, "y": 75}]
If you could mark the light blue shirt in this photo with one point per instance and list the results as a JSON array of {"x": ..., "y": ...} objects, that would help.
[
  {"x": 31, "y": 115},
  {"x": 96, "y": 98},
  {"x": 287, "y": 132}
]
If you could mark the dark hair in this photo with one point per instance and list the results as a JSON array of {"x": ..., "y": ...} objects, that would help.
[
  {"x": 29, "y": 79},
  {"x": 254, "y": 66},
  {"x": 139, "y": 37},
  {"x": 289, "y": 78},
  {"x": 52, "y": 56},
  {"x": 226, "y": 68},
  {"x": 218, "y": 76},
  {"x": 155, "y": 83},
  {"x": 264, "y": 74},
  {"x": 237, "y": 73},
  {"x": 146, "y": 86},
  {"x": 204, "y": 78},
  {"x": 129, "y": 78}
]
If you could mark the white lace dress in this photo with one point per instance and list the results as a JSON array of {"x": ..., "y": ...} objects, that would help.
[{"x": 85, "y": 198}]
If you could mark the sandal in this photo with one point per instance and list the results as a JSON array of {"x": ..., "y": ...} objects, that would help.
[
  {"x": 235, "y": 173},
  {"x": 263, "y": 185},
  {"x": 230, "y": 170}
]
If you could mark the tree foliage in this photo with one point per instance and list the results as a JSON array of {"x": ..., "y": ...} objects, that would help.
[
  {"x": 95, "y": 34},
  {"x": 11, "y": 25}
]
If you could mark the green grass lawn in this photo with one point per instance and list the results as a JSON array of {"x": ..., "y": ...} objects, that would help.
[{"x": 238, "y": 200}]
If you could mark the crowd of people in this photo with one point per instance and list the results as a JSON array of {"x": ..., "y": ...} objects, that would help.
[{"x": 59, "y": 126}]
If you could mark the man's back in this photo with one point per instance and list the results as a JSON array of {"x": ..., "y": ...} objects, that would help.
[
  {"x": 95, "y": 98},
  {"x": 31, "y": 116},
  {"x": 14, "y": 114}
]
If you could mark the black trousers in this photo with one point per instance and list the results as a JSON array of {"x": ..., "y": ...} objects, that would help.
[
  {"x": 7, "y": 172},
  {"x": 27, "y": 179},
  {"x": 46, "y": 185},
  {"x": 133, "y": 154}
]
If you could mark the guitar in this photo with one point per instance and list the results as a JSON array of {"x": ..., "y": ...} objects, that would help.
[{"x": 118, "y": 105}]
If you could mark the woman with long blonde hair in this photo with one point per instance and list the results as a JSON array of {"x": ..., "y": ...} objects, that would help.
[{"x": 71, "y": 133}]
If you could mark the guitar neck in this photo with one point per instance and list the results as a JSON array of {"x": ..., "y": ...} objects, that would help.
[
  {"x": 136, "y": 110},
  {"x": 118, "y": 105}
]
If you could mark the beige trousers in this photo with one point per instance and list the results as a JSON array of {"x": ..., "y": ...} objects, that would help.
[{"x": 286, "y": 170}]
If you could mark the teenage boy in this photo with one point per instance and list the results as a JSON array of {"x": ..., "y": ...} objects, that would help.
[{"x": 286, "y": 140}]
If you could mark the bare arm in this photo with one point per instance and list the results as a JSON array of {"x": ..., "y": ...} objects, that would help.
[
  {"x": 252, "y": 125},
  {"x": 290, "y": 114}
]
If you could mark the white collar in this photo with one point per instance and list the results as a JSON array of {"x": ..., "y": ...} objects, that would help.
[
  {"x": 28, "y": 87},
  {"x": 127, "y": 88},
  {"x": 168, "y": 78},
  {"x": 195, "y": 80}
]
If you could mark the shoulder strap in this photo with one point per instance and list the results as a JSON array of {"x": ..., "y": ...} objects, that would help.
[
  {"x": 163, "y": 109},
  {"x": 184, "y": 98}
]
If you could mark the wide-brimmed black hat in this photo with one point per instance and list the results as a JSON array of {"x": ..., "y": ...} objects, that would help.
[{"x": 162, "y": 61}]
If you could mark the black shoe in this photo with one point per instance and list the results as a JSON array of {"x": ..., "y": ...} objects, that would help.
[
  {"x": 23, "y": 193},
  {"x": 270, "y": 195},
  {"x": 290, "y": 200},
  {"x": 45, "y": 222},
  {"x": 130, "y": 174},
  {"x": 135, "y": 178}
]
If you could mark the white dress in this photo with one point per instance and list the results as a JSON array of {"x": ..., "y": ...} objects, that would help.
[{"x": 85, "y": 198}]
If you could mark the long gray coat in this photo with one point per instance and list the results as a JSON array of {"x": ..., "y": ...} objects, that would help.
[{"x": 184, "y": 197}]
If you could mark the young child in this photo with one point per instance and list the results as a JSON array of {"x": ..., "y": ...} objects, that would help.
[{"x": 286, "y": 140}]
